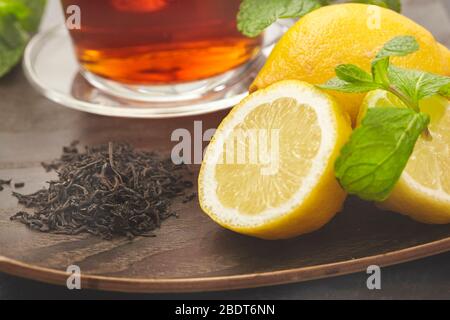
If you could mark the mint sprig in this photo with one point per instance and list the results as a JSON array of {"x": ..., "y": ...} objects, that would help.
[
  {"x": 18, "y": 19},
  {"x": 397, "y": 47},
  {"x": 373, "y": 160},
  {"x": 256, "y": 15},
  {"x": 410, "y": 86}
]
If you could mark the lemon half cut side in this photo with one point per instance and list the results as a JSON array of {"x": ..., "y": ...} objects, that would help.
[{"x": 302, "y": 194}]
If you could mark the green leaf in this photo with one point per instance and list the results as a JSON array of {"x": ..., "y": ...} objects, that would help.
[
  {"x": 27, "y": 12},
  {"x": 37, "y": 7},
  {"x": 380, "y": 71},
  {"x": 352, "y": 73},
  {"x": 395, "y": 5},
  {"x": 12, "y": 43},
  {"x": 15, "y": 8},
  {"x": 351, "y": 79},
  {"x": 373, "y": 160},
  {"x": 9, "y": 57},
  {"x": 417, "y": 85},
  {"x": 337, "y": 84},
  {"x": 445, "y": 91},
  {"x": 18, "y": 18},
  {"x": 391, "y": 4},
  {"x": 398, "y": 47},
  {"x": 256, "y": 15},
  {"x": 11, "y": 32}
]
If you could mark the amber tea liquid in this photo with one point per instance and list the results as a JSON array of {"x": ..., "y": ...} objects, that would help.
[{"x": 159, "y": 42}]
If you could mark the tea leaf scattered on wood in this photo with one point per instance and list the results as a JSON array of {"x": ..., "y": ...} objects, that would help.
[
  {"x": 19, "y": 185},
  {"x": 4, "y": 183},
  {"x": 106, "y": 190}
]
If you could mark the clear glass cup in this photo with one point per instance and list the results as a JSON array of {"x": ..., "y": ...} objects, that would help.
[{"x": 160, "y": 50}]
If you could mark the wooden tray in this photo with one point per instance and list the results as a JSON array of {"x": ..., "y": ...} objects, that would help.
[{"x": 190, "y": 253}]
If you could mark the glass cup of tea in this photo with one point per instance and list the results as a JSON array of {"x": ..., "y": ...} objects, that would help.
[{"x": 160, "y": 50}]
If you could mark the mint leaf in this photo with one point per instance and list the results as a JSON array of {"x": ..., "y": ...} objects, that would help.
[
  {"x": 256, "y": 15},
  {"x": 395, "y": 5},
  {"x": 373, "y": 160},
  {"x": 380, "y": 71},
  {"x": 390, "y": 4},
  {"x": 15, "y": 8},
  {"x": 445, "y": 91},
  {"x": 36, "y": 9},
  {"x": 9, "y": 57},
  {"x": 417, "y": 85},
  {"x": 11, "y": 33},
  {"x": 398, "y": 46},
  {"x": 18, "y": 18},
  {"x": 337, "y": 84},
  {"x": 352, "y": 73},
  {"x": 12, "y": 42}
]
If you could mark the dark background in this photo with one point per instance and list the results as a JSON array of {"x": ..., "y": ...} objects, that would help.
[{"x": 425, "y": 279}]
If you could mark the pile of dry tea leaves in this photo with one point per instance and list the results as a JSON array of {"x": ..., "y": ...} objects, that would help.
[{"x": 106, "y": 190}]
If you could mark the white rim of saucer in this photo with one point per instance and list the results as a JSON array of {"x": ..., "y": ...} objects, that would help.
[{"x": 38, "y": 41}]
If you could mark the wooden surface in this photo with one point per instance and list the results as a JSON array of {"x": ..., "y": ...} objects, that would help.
[
  {"x": 33, "y": 130},
  {"x": 185, "y": 248}
]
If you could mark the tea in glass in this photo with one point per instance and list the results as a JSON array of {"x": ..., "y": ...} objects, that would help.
[{"x": 160, "y": 42}]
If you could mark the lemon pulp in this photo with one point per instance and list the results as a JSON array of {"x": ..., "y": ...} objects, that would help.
[
  {"x": 243, "y": 186},
  {"x": 429, "y": 165}
]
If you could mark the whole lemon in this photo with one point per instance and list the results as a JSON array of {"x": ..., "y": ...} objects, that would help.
[
  {"x": 346, "y": 33},
  {"x": 446, "y": 54}
]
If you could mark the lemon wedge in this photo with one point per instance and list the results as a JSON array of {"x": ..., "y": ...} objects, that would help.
[{"x": 269, "y": 169}]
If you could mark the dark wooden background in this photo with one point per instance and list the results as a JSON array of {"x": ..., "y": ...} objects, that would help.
[{"x": 425, "y": 279}]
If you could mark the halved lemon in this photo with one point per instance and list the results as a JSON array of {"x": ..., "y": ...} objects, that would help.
[
  {"x": 269, "y": 169},
  {"x": 423, "y": 191}
]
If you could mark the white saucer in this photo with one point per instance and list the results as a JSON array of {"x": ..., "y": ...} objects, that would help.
[{"x": 52, "y": 68}]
